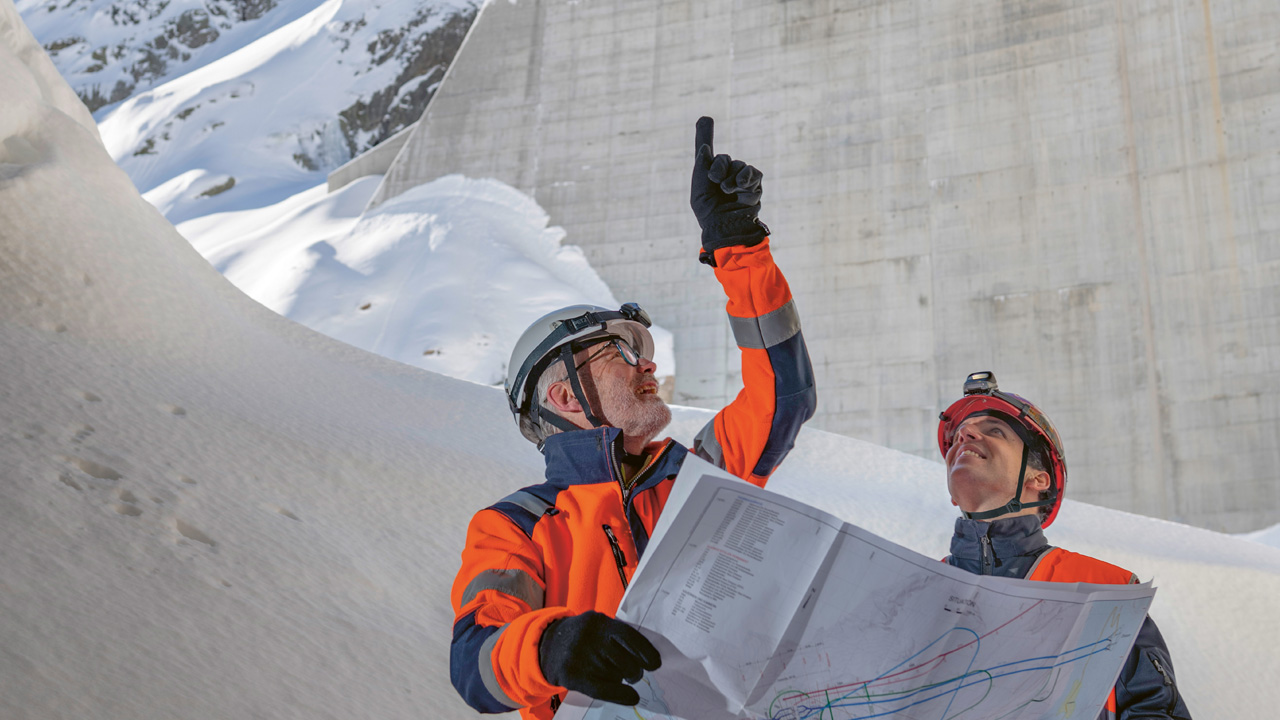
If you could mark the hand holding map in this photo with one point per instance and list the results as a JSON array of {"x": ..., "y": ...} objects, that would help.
[{"x": 763, "y": 607}]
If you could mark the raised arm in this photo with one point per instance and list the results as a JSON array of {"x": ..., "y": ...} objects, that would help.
[{"x": 752, "y": 435}]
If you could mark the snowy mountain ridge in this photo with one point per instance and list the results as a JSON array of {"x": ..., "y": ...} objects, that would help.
[{"x": 246, "y": 102}]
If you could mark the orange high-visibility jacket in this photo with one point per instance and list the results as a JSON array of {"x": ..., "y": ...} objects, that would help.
[
  {"x": 1015, "y": 547},
  {"x": 570, "y": 544},
  {"x": 1058, "y": 565}
]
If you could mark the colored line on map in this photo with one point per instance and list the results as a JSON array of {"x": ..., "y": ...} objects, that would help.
[{"x": 859, "y": 694}]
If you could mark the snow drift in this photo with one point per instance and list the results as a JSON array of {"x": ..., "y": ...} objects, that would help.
[
  {"x": 444, "y": 277},
  {"x": 209, "y": 511}
]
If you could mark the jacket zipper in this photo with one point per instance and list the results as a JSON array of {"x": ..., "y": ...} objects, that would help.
[
  {"x": 628, "y": 495},
  {"x": 1160, "y": 669},
  {"x": 986, "y": 555},
  {"x": 1168, "y": 681},
  {"x": 617, "y": 472},
  {"x": 618, "y": 557}
]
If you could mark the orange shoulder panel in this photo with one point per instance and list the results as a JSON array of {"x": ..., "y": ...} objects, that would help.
[{"x": 1060, "y": 565}]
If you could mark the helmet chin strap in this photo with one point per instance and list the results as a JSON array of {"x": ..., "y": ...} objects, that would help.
[
  {"x": 1016, "y": 504},
  {"x": 575, "y": 382},
  {"x": 1013, "y": 505},
  {"x": 537, "y": 411}
]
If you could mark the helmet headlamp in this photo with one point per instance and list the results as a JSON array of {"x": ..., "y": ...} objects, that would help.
[{"x": 983, "y": 396}]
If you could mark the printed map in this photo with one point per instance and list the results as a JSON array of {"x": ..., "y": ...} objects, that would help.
[{"x": 766, "y": 608}]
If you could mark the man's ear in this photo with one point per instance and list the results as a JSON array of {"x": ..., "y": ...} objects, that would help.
[
  {"x": 561, "y": 398},
  {"x": 1037, "y": 480}
]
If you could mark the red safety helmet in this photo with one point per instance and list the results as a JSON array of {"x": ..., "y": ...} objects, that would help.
[{"x": 982, "y": 396}]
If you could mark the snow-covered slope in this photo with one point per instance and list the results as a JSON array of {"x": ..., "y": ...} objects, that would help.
[
  {"x": 444, "y": 277},
  {"x": 231, "y": 143},
  {"x": 209, "y": 511},
  {"x": 1267, "y": 536},
  {"x": 231, "y": 104},
  {"x": 226, "y": 114}
]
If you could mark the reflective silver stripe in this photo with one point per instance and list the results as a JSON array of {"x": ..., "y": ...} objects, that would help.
[
  {"x": 707, "y": 446},
  {"x": 488, "y": 676},
  {"x": 528, "y": 501},
  {"x": 767, "y": 330},
  {"x": 1040, "y": 559},
  {"x": 514, "y": 582}
]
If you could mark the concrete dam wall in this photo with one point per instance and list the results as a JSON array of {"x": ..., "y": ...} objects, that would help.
[{"x": 1080, "y": 195}]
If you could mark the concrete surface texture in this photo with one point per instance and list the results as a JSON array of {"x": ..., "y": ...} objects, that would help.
[
  {"x": 374, "y": 161},
  {"x": 1080, "y": 195}
]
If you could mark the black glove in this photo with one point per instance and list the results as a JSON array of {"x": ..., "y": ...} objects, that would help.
[
  {"x": 593, "y": 654},
  {"x": 725, "y": 197}
]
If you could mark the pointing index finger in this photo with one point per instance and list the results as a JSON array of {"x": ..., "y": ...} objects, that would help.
[{"x": 706, "y": 131}]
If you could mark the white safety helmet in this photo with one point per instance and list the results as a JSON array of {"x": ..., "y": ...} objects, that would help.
[{"x": 557, "y": 336}]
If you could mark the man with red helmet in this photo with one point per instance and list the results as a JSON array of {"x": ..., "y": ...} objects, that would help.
[{"x": 1007, "y": 473}]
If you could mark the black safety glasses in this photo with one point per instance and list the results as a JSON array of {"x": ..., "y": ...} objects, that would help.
[
  {"x": 542, "y": 355},
  {"x": 623, "y": 347}
]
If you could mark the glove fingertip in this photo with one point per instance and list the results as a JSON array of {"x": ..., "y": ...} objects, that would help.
[
  {"x": 639, "y": 647},
  {"x": 625, "y": 695},
  {"x": 651, "y": 662},
  {"x": 704, "y": 133}
]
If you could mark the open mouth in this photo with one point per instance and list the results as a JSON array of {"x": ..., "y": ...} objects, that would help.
[
  {"x": 970, "y": 452},
  {"x": 647, "y": 389}
]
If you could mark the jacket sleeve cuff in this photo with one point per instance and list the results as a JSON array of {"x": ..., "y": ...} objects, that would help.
[
  {"x": 751, "y": 280},
  {"x": 515, "y": 657},
  {"x": 737, "y": 256}
]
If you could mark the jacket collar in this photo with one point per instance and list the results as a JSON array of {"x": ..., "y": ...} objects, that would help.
[
  {"x": 581, "y": 457},
  {"x": 1015, "y": 542}
]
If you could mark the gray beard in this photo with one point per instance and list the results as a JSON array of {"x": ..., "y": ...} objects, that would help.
[{"x": 634, "y": 416}]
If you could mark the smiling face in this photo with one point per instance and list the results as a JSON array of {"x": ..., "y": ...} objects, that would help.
[
  {"x": 983, "y": 465},
  {"x": 628, "y": 395}
]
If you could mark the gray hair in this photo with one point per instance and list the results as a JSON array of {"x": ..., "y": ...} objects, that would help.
[{"x": 539, "y": 430}]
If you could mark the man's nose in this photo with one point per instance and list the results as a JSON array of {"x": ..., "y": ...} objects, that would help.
[
  {"x": 647, "y": 366},
  {"x": 967, "y": 431}
]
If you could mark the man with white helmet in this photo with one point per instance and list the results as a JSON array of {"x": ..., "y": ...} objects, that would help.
[
  {"x": 544, "y": 569},
  {"x": 544, "y": 357},
  {"x": 1007, "y": 472}
]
